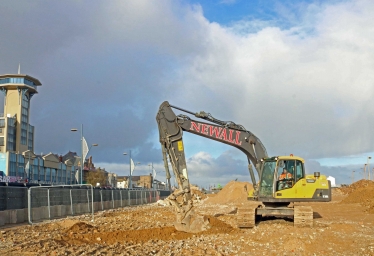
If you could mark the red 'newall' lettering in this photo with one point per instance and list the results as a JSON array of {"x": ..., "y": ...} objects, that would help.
[
  {"x": 230, "y": 136},
  {"x": 237, "y": 142},
  {"x": 196, "y": 126},
  {"x": 223, "y": 135},
  {"x": 204, "y": 128},
  {"x": 217, "y": 132}
]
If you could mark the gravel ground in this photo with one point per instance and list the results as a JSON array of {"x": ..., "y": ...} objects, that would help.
[{"x": 339, "y": 229}]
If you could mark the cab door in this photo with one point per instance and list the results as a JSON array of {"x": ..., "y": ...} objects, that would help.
[
  {"x": 266, "y": 185},
  {"x": 286, "y": 188},
  {"x": 300, "y": 181}
]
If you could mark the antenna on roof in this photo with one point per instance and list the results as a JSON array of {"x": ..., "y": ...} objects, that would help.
[{"x": 19, "y": 68}]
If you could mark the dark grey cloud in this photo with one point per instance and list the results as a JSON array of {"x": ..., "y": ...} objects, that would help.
[
  {"x": 343, "y": 174},
  {"x": 106, "y": 65}
]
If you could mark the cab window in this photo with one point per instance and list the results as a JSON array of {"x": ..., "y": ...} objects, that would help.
[
  {"x": 299, "y": 170},
  {"x": 286, "y": 174}
]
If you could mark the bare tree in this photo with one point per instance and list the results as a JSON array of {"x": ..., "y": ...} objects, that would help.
[{"x": 96, "y": 176}]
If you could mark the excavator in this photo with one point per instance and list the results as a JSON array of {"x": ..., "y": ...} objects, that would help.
[{"x": 282, "y": 179}]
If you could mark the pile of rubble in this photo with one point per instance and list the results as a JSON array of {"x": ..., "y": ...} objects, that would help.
[
  {"x": 232, "y": 192},
  {"x": 356, "y": 185},
  {"x": 361, "y": 192},
  {"x": 197, "y": 197}
]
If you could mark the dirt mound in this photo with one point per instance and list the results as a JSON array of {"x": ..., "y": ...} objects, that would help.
[
  {"x": 80, "y": 227},
  {"x": 361, "y": 192},
  {"x": 357, "y": 185},
  {"x": 337, "y": 192},
  {"x": 141, "y": 236},
  {"x": 233, "y": 192}
]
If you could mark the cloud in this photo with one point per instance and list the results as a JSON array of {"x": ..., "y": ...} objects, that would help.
[
  {"x": 343, "y": 174},
  {"x": 302, "y": 82},
  {"x": 300, "y": 93}
]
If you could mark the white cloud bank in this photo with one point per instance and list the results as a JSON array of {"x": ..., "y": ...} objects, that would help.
[{"x": 310, "y": 94}]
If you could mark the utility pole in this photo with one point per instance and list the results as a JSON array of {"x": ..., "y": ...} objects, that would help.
[
  {"x": 353, "y": 177},
  {"x": 369, "y": 157}
]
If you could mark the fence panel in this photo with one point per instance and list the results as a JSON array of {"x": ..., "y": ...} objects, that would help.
[
  {"x": 50, "y": 202},
  {"x": 12, "y": 198}
]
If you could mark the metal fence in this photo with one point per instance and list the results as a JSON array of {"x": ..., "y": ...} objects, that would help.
[
  {"x": 51, "y": 202},
  {"x": 47, "y": 202},
  {"x": 12, "y": 198}
]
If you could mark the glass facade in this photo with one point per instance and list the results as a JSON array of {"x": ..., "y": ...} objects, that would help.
[
  {"x": 47, "y": 174},
  {"x": 11, "y": 143},
  {"x": 17, "y": 80},
  {"x": 63, "y": 174},
  {"x": 54, "y": 175},
  {"x": 18, "y": 167},
  {"x": 41, "y": 172},
  {"x": 31, "y": 138},
  {"x": 24, "y": 118},
  {"x": 35, "y": 168},
  {"x": 68, "y": 178},
  {"x": 12, "y": 170},
  {"x": 21, "y": 166}
]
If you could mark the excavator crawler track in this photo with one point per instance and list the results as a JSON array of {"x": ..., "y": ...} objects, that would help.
[
  {"x": 303, "y": 216},
  {"x": 246, "y": 217}
]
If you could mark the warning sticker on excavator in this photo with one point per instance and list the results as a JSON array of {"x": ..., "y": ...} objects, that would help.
[{"x": 180, "y": 145}]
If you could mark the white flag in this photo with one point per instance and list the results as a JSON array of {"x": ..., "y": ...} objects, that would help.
[
  {"x": 132, "y": 167},
  {"x": 154, "y": 173},
  {"x": 27, "y": 170},
  {"x": 77, "y": 176},
  {"x": 85, "y": 150}
]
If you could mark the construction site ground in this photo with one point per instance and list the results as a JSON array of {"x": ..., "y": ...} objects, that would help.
[{"x": 344, "y": 226}]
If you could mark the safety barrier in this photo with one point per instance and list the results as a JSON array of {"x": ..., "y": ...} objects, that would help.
[
  {"x": 51, "y": 202},
  {"x": 12, "y": 198},
  {"x": 58, "y": 201}
]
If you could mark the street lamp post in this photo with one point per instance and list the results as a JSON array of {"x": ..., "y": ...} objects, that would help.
[
  {"x": 369, "y": 157},
  {"x": 353, "y": 176},
  {"x": 82, "y": 153},
  {"x": 130, "y": 177},
  {"x": 153, "y": 176},
  {"x": 129, "y": 181}
]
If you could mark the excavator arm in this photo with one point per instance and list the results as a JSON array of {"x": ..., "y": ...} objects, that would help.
[{"x": 171, "y": 129}]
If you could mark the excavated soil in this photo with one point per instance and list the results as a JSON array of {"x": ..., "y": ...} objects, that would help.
[
  {"x": 361, "y": 192},
  {"x": 83, "y": 233},
  {"x": 233, "y": 192},
  {"x": 341, "y": 227}
]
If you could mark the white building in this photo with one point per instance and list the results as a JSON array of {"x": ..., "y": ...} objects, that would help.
[
  {"x": 122, "y": 184},
  {"x": 332, "y": 180}
]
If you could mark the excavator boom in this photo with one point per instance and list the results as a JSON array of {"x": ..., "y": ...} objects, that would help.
[{"x": 171, "y": 129}]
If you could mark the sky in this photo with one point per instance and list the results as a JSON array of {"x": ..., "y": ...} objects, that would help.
[{"x": 297, "y": 74}]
